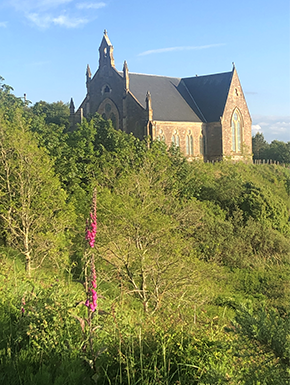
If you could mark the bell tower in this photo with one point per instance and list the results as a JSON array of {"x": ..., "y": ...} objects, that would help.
[{"x": 106, "y": 52}]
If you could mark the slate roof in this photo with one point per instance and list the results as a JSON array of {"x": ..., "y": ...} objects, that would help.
[
  {"x": 210, "y": 93},
  {"x": 168, "y": 104},
  {"x": 196, "y": 99}
]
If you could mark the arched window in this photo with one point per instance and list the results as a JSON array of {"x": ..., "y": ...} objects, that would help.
[
  {"x": 106, "y": 89},
  {"x": 175, "y": 139},
  {"x": 201, "y": 145},
  {"x": 236, "y": 124},
  {"x": 161, "y": 136},
  {"x": 189, "y": 144},
  {"x": 109, "y": 110},
  {"x": 113, "y": 119}
]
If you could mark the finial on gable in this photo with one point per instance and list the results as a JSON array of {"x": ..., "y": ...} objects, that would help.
[
  {"x": 88, "y": 73},
  {"x": 88, "y": 76},
  {"x": 149, "y": 106},
  {"x": 234, "y": 67}
]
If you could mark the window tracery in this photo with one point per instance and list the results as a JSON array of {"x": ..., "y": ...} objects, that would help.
[
  {"x": 236, "y": 125},
  {"x": 175, "y": 139},
  {"x": 161, "y": 136}
]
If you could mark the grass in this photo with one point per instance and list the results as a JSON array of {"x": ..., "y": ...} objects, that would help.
[{"x": 49, "y": 343}]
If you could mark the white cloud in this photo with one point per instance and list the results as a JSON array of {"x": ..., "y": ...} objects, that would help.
[
  {"x": 41, "y": 21},
  {"x": 48, "y": 13},
  {"x": 272, "y": 127},
  {"x": 44, "y": 21},
  {"x": 3, "y": 24},
  {"x": 184, "y": 48},
  {"x": 90, "y": 5},
  {"x": 37, "y": 5},
  {"x": 67, "y": 22},
  {"x": 256, "y": 128}
]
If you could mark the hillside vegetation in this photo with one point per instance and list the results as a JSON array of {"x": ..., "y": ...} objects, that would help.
[{"x": 186, "y": 280}]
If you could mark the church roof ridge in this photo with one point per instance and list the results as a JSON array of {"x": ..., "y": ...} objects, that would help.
[
  {"x": 203, "y": 76},
  {"x": 159, "y": 76},
  {"x": 179, "y": 78}
]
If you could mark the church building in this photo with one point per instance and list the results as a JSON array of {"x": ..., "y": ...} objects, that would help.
[{"x": 206, "y": 116}]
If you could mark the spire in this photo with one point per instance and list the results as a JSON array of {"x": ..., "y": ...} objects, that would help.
[
  {"x": 72, "y": 107},
  {"x": 126, "y": 76},
  {"x": 106, "y": 52}
]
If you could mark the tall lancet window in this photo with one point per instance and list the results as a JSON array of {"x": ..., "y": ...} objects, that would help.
[
  {"x": 175, "y": 139},
  {"x": 237, "y": 127},
  {"x": 161, "y": 136},
  {"x": 201, "y": 145},
  {"x": 189, "y": 144}
]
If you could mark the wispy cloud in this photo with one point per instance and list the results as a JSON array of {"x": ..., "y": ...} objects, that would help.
[
  {"x": 40, "y": 63},
  {"x": 182, "y": 48},
  {"x": 47, "y": 13},
  {"x": 3, "y": 24},
  {"x": 272, "y": 127},
  {"x": 35, "y": 5},
  {"x": 90, "y": 5},
  {"x": 44, "y": 21},
  {"x": 67, "y": 22}
]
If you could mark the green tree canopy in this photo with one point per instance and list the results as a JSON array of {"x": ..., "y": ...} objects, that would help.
[{"x": 33, "y": 210}]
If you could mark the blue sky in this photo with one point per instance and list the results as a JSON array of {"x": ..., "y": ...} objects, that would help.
[{"x": 47, "y": 44}]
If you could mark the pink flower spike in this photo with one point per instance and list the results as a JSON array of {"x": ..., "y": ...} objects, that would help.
[{"x": 92, "y": 307}]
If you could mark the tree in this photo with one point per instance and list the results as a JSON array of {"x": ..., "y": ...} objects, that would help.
[
  {"x": 33, "y": 207},
  {"x": 56, "y": 113},
  {"x": 259, "y": 146},
  {"x": 278, "y": 151},
  {"x": 141, "y": 234},
  {"x": 263, "y": 206}
]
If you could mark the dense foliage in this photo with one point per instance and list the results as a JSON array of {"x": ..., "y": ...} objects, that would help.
[
  {"x": 191, "y": 260},
  {"x": 276, "y": 150}
]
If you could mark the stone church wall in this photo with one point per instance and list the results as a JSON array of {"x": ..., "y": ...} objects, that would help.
[
  {"x": 135, "y": 117},
  {"x": 182, "y": 129},
  {"x": 236, "y": 99},
  {"x": 107, "y": 83}
]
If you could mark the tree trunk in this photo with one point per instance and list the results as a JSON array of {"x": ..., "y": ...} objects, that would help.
[
  {"x": 27, "y": 255},
  {"x": 27, "y": 263}
]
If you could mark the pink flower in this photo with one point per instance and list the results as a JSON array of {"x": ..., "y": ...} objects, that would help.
[
  {"x": 91, "y": 303},
  {"x": 91, "y": 229}
]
